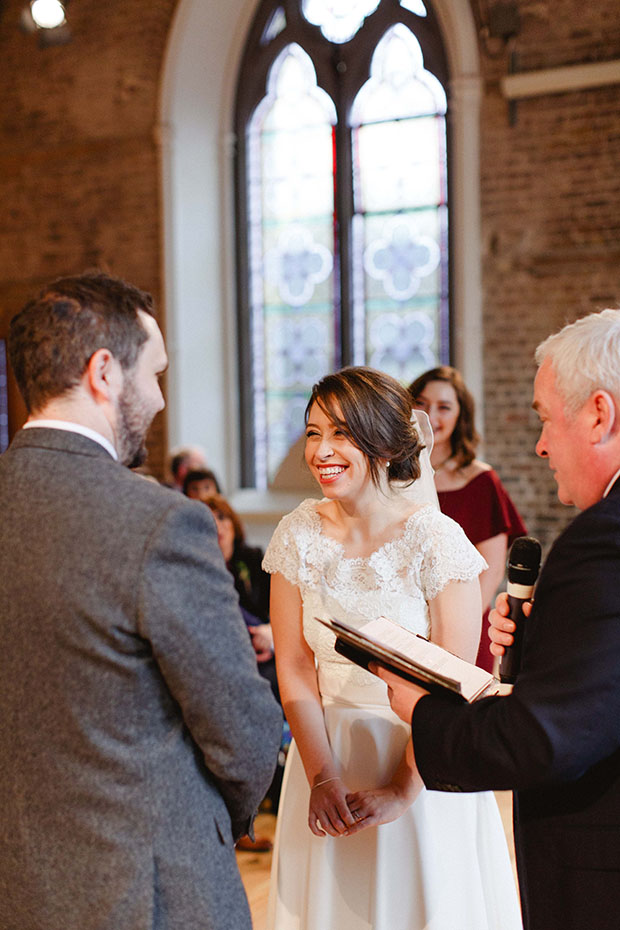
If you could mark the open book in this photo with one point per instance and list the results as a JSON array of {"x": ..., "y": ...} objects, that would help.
[{"x": 413, "y": 657}]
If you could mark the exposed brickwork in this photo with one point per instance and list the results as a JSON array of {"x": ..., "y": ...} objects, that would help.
[
  {"x": 79, "y": 165},
  {"x": 551, "y": 229},
  {"x": 79, "y": 186}
]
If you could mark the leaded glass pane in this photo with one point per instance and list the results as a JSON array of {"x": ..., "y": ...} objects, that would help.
[
  {"x": 339, "y": 19},
  {"x": 398, "y": 163},
  {"x": 400, "y": 234},
  {"x": 291, "y": 201},
  {"x": 276, "y": 24},
  {"x": 399, "y": 85},
  {"x": 416, "y": 6}
]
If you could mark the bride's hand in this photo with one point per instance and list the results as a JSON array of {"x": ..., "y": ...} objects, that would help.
[
  {"x": 328, "y": 811},
  {"x": 379, "y": 805}
]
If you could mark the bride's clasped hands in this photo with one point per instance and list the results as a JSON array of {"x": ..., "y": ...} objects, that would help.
[{"x": 335, "y": 811}]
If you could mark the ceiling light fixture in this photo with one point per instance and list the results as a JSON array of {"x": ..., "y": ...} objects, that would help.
[{"x": 48, "y": 14}]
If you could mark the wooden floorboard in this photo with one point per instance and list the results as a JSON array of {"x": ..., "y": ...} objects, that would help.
[{"x": 255, "y": 869}]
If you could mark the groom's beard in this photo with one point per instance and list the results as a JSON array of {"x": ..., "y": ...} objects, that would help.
[{"x": 133, "y": 423}]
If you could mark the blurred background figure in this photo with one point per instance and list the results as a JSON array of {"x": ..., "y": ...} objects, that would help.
[
  {"x": 469, "y": 490},
  {"x": 253, "y": 587},
  {"x": 201, "y": 483},
  {"x": 182, "y": 460}
]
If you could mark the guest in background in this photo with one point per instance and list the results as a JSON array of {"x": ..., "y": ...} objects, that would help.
[
  {"x": 181, "y": 461},
  {"x": 252, "y": 584},
  {"x": 469, "y": 490},
  {"x": 201, "y": 483}
]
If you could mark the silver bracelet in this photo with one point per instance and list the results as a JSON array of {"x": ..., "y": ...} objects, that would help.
[{"x": 319, "y": 783}]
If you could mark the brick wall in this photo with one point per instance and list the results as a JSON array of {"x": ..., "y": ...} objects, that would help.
[
  {"x": 550, "y": 228},
  {"x": 79, "y": 164},
  {"x": 79, "y": 186}
]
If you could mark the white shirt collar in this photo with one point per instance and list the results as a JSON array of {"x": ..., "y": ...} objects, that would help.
[
  {"x": 75, "y": 428},
  {"x": 611, "y": 483}
]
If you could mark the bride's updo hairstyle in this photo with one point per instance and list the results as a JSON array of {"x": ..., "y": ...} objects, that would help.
[{"x": 374, "y": 411}]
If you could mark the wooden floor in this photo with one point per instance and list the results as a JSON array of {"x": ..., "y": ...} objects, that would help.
[{"x": 255, "y": 867}]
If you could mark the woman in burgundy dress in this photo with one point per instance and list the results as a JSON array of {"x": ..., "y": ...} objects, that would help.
[{"x": 469, "y": 490}]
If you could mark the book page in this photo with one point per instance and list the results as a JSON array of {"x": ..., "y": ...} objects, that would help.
[{"x": 433, "y": 657}]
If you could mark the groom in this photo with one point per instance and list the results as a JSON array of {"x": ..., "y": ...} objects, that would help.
[
  {"x": 556, "y": 739},
  {"x": 137, "y": 736}
]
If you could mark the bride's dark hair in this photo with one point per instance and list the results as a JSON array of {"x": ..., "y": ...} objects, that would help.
[{"x": 374, "y": 411}]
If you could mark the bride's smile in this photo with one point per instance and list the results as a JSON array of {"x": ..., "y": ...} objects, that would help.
[{"x": 336, "y": 463}]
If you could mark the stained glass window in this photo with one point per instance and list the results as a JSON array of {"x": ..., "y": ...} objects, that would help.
[
  {"x": 339, "y": 20},
  {"x": 342, "y": 209},
  {"x": 291, "y": 257},
  {"x": 416, "y": 6},
  {"x": 400, "y": 209}
]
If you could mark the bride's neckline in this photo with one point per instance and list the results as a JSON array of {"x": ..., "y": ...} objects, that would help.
[{"x": 364, "y": 558}]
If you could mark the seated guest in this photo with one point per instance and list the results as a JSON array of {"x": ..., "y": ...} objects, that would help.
[
  {"x": 252, "y": 584},
  {"x": 181, "y": 461},
  {"x": 200, "y": 483}
]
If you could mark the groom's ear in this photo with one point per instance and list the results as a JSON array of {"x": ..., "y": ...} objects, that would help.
[{"x": 103, "y": 377}]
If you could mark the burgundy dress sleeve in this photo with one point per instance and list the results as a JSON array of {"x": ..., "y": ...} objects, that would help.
[{"x": 483, "y": 509}]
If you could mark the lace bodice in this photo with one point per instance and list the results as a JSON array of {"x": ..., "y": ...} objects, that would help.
[{"x": 397, "y": 580}]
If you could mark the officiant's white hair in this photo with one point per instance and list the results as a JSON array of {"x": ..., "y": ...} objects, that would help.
[{"x": 585, "y": 355}]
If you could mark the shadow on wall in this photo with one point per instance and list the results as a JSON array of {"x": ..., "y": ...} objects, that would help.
[{"x": 293, "y": 474}]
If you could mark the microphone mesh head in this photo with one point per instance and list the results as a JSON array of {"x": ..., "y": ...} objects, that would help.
[{"x": 524, "y": 560}]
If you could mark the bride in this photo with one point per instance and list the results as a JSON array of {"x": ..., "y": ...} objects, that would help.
[{"x": 360, "y": 843}]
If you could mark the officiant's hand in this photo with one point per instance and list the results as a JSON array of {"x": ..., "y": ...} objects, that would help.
[
  {"x": 501, "y": 627},
  {"x": 403, "y": 694},
  {"x": 329, "y": 811}
]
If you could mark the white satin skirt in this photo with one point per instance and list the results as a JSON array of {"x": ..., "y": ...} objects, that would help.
[{"x": 443, "y": 865}]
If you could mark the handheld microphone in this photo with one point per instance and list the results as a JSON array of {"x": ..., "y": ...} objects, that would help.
[{"x": 523, "y": 567}]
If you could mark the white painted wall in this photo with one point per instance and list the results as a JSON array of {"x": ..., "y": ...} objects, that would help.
[{"x": 196, "y": 106}]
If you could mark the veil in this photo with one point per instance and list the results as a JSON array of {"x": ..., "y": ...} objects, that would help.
[{"x": 422, "y": 491}]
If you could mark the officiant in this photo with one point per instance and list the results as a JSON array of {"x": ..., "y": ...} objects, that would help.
[{"x": 555, "y": 740}]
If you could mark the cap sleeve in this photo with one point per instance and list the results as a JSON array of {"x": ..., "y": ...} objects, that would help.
[
  {"x": 285, "y": 552},
  {"x": 448, "y": 556}
]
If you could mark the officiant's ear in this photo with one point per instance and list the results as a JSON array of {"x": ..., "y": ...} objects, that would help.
[{"x": 602, "y": 417}]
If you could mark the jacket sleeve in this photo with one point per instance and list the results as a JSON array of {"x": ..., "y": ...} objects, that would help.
[
  {"x": 562, "y": 716},
  {"x": 189, "y": 613}
]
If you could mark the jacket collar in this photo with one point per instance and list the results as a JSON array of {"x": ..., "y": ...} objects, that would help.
[{"x": 58, "y": 440}]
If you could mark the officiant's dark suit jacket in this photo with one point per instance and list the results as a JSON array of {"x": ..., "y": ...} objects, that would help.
[
  {"x": 556, "y": 739},
  {"x": 136, "y": 735}
]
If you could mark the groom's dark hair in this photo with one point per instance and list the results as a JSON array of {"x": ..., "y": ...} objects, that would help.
[{"x": 52, "y": 339}]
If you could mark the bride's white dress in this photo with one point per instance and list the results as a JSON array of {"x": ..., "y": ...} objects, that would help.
[{"x": 443, "y": 865}]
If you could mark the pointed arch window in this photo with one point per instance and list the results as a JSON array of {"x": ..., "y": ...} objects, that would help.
[{"x": 341, "y": 206}]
